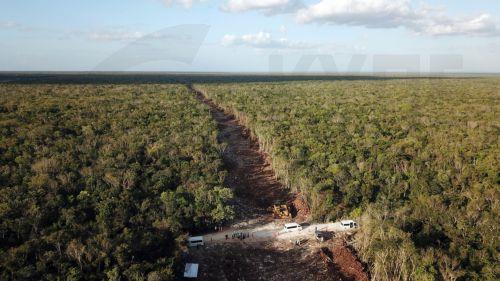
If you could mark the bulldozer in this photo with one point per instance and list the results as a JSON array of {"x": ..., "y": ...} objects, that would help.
[{"x": 281, "y": 212}]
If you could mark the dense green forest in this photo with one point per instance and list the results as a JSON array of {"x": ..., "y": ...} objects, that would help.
[
  {"x": 101, "y": 181},
  {"x": 416, "y": 161}
]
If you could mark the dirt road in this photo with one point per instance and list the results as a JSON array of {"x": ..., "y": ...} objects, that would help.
[{"x": 272, "y": 231}]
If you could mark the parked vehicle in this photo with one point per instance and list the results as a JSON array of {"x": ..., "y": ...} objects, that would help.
[
  {"x": 347, "y": 224},
  {"x": 293, "y": 226},
  {"x": 195, "y": 241}
]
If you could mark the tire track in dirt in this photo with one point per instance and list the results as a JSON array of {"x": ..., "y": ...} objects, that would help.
[{"x": 249, "y": 173}]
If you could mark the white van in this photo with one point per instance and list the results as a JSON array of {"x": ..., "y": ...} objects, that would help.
[
  {"x": 293, "y": 226},
  {"x": 195, "y": 241},
  {"x": 347, "y": 224}
]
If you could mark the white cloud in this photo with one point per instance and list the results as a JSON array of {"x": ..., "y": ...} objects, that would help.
[
  {"x": 15, "y": 26},
  {"x": 263, "y": 40},
  {"x": 9, "y": 24},
  {"x": 268, "y": 7},
  {"x": 396, "y": 13},
  {"x": 482, "y": 25},
  {"x": 368, "y": 13},
  {"x": 114, "y": 35},
  {"x": 185, "y": 3},
  {"x": 103, "y": 35}
]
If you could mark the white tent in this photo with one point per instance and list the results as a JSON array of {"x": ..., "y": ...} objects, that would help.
[{"x": 191, "y": 270}]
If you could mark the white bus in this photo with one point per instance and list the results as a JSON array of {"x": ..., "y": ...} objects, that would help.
[
  {"x": 195, "y": 241},
  {"x": 293, "y": 226}
]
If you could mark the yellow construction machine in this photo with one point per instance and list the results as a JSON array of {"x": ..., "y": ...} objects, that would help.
[{"x": 281, "y": 212}]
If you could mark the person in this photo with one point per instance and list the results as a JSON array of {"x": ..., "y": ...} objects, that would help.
[{"x": 226, "y": 237}]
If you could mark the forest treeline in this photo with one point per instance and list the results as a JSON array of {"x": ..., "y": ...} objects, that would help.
[
  {"x": 416, "y": 161},
  {"x": 99, "y": 182}
]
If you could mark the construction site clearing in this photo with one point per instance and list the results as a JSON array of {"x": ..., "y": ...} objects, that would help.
[
  {"x": 266, "y": 251},
  {"x": 277, "y": 230},
  {"x": 265, "y": 240},
  {"x": 279, "y": 259}
]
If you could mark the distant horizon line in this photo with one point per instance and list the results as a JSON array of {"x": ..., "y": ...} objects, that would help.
[{"x": 264, "y": 73}]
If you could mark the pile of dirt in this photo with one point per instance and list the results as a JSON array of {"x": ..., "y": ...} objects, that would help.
[
  {"x": 301, "y": 209},
  {"x": 346, "y": 264}
]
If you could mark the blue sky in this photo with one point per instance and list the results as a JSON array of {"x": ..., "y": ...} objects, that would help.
[{"x": 242, "y": 35}]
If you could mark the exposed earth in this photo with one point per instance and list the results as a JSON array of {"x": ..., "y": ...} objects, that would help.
[
  {"x": 278, "y": 261},
  {"x": 267, "y": 253}
]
